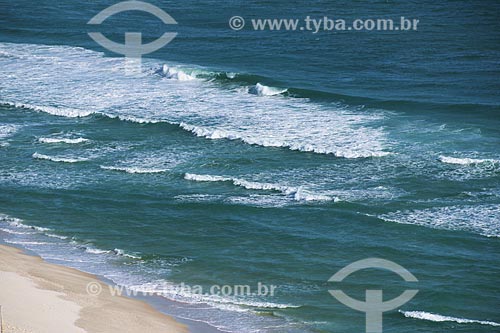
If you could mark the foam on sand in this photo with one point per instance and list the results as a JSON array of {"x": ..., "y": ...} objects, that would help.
[
  {"x": 52, "y": 298},
  {"x": 440, "y": 318},
  {"x": 85, "y": 256}
]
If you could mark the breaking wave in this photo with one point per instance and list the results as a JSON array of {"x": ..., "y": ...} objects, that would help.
[
  {"x": 480, "y": 219},
  {"x": 467, "y": 161},
  {"x": 59, "y": 159},
  {"x": 215, "y": 134},
  {"x": 262, "y": 90},
  {"x": 440, "y": 318},
  {"x": 56, "y": 111},
  {"x": 297, "y": 193},
  {"x": 133, "y": 169},
  {"x": 62, "y": 140},
  {"x": 174, "y": 74},
  {"x": 209, "y": 109}
]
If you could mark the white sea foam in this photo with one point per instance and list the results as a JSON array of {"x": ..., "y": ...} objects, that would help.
[
  {"x": 297, "y": 193},
  {"x": 215, "y": 134},
  {"x": 175, "y": 74},
  {"x": 205, "y": 108},
  {"x": 63, "y": 140},
  {"x": 185, "y": 294},
  {"x": 8, "y": 130},
  {"x": 56, "y": 111},
  {"x": 137, "y": 120},
  {"x": 480, "y": 219},
  {"x": 25, "y": 243},
  {"x": 92, "y": 250},
  {"x": 59, "y": 159},
  {"x": 133, "y": 169},
  {"x": 81, "y": 256},
  {"x": 262, "y": 90},
  {"x": 440, "y": 318},
  {"x": 4, "y": 54},
  {"x": 18, "y": 223},
  {"x": 122, "y": 253},
  {"x": 205, "y": 178},
  {"x": 13, "y": 232},
  {"x": 56, "y": 236},
  {"x": 466, "y": 161}
]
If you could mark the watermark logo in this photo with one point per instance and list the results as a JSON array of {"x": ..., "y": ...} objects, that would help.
[
  {"x": 95, "y": 288},
  {"x": 325, "y": 23},
  {"x": 133, "y": 49},
  {"x": 374, "y": 305},
  {"x": 236, "y": 23}
]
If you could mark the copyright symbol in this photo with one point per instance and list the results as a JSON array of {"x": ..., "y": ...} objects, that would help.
[
  {"x": 236, "y": 23},
  {"x": 94, "y": 288}
]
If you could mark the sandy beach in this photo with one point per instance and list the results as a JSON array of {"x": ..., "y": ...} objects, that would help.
[{"x": 36, "y": 296}]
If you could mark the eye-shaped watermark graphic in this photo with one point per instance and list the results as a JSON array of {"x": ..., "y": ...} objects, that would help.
[
  {"x": 133, "y": 49},
  {"x": 374, "y": 305}
]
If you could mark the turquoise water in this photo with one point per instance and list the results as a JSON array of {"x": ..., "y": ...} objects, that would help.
[{"x": 273, "y": 157}]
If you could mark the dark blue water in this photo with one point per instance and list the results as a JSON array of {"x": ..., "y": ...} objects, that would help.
[{"x": 279, "y": 157}]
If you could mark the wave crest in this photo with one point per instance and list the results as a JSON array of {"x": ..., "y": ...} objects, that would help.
[
  {"x": 58, "y": 159},
  {"x": 480, "y": 219},
  {"x": 262, "y": 90},
  {"x": 440, "y": 318},
  {"x": 133, "y": 169},
  {"x": 56, "y": 111},
  {"x": 62, "y": 140},
  {"x": 174, "y": 74},
  {"x": 297, "y": 193},
  {"x": 466, "y": 161}
]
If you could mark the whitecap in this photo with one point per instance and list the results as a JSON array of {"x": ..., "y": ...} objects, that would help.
[
  {"x": 262, "y": 90},
  {"x": 215, "y": 134},
  {"x": 133, "y": 169},
  {"x": 122, "y": 253},
  {"x": 191, "y": 295},
  {"x": 480, "y": 219},
  {"x": 175, "y": 74},
  {"x": 297, "y": 193},
  {"x": 209, "y": 110},
  {"x": 440, "y": 318},
  {"x": 466, "y": 160},
  {"x": 25, "y": 242},
  {"x": 63, "y": 140},
  {"x": 92, "y": 250},
  {"x": 56, "y": 111},
  {"x": 58, "y": 159},
  {"x": 8, "y": 130}
]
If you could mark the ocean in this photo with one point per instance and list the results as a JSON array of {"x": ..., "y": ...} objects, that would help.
[{"x": 271, "y": 157}]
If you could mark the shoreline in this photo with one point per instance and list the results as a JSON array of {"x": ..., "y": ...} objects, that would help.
[{"x": 37, "y": 296}]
